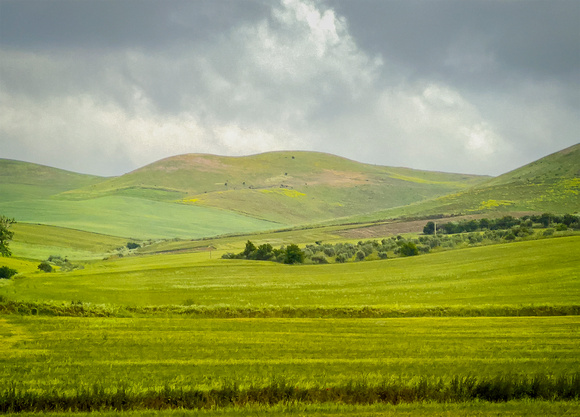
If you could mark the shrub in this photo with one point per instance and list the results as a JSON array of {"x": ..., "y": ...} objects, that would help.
[
  {"x": 383, "y": 255},
  {"x": 548, "y": 232},
  {"x": 45, "y": 266},
  {"x": 561, "y": 227},
  {"x": 329, "y": 252},
  {"x": 409, "y": 249},
  {"x": 341, "y": 258},
  {"x": 319, "y": 259},
  {"x": 7, "y": 273},
  {"x": 133, "y": 245},
  {"x": 360, "y": 255}
]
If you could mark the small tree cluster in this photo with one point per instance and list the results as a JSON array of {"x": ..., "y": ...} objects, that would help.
[{"x": 291, "y": 254}]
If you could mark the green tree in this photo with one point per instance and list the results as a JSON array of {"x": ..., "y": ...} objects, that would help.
[
  {"x": 6, "y": 272},
  {"x": 294, "y": 255},
  {"x": 5, "y": 235},
  {"x": 409, "y": 249},
  {"x": 250, "y": 248},
  {"x": 429, "y": 228},
  {"x": 45, "y": 266},
  {"x": 264, "y": 252}
]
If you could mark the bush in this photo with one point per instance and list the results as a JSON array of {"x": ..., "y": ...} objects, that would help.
[
  {"x": 319, "y": 259},
  {"x": 7, "y": 273},
  {"x": 409, "y": 249},
  {"x": 383, "y": 255},
  {"x": 133, "y": 245},
  {"x": 45, "y": 266},
  {"x": 360, "y": 255},
  {"x": 341, "y": 258}
]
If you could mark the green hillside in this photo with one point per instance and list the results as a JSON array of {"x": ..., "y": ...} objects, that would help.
[
  {"x": 285, "y": 187},
  {"x": 550, "y": 184},
  {"x": 25, "y": 181}
]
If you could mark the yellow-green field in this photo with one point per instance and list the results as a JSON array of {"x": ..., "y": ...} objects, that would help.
[
  {"x": 323, "y": 340},
  {"x": 538, "y": 272}
]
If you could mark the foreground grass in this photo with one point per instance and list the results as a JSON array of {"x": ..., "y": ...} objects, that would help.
[
  {"x": 459, "y": 389},
  {"x": 542, "y": 272},
  {"x": 527, "y": 408},
  {"x": 60, "y": 354}
]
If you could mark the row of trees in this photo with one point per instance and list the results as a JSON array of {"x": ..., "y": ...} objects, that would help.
[
  {"x": 323, "y": 253},
  {"x": 507, "y": 222},
  {"x": 290, "y": 254}
]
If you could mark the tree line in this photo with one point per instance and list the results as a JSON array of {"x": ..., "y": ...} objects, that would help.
[{"x": 559, "y": 222}]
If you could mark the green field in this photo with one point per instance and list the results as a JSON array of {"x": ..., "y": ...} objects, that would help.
[
  {"x": 136, "y": 218},
  {"x": 51, "y": 353},
  {"x": 478, "y": 330},
  {"x": 482, "y": 277}
]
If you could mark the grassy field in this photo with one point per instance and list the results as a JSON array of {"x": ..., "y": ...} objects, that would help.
[
  {"x": 64, "y": 354},
  {"x": 130, "y": 217},
  {"x": 540, "y": 272}
]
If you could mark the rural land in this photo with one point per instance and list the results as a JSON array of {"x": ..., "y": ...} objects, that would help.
[{"x": 290, "y": 283}]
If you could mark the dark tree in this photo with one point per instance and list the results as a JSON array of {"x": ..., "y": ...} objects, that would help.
[
  {"x": 429, "y": 228},
  {"x": 250, "y": 248},
  {"x": 409, "y": 249},
  {"x": 294, "y": 255},
  {"x": 45, "y": 266},
  {"x": 264, "y": 252},
  {"x": 6, "y": 272},
  {"x": 5, "y": 235}
]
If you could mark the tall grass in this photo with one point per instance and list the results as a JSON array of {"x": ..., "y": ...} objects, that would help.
[
  {"x": 80, "y": 309},
  {"x": 500, "y": 388}
]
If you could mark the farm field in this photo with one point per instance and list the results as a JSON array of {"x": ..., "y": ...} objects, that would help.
[
  {"x": 537, "y": 272},
  {"x": 136, "y": 218},
  {"x": 64, "y": 354}
]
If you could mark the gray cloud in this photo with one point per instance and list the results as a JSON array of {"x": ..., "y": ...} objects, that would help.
[{"x": 104, "y": 87}]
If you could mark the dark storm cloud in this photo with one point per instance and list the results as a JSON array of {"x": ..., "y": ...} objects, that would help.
[
  {"x": 535, "y": 38},
  {"x": 479, "y": 87},
  {"x": 35, "y": 24}
]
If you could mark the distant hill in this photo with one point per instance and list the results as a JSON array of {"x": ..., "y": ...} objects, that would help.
[
  {"x": 24, "y": 180},
  {"x": 550, "y": 184},
  {"x": 285, "y": 187}
]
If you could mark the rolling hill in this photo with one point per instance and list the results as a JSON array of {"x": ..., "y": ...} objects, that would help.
[
  {"x": 197, "y": 195},
  {"x": 550, "y": 184},
  {"x": 289, "y": 188}
]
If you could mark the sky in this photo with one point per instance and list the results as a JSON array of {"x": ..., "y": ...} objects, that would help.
[{"x": 104, "y": 87}]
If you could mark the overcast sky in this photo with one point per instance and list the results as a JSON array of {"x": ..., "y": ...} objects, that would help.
[{"x": 104, "y": 87}]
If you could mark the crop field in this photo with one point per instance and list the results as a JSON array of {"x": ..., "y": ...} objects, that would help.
[
  {"x": 539, "y": 272},
  {"x": 257, "y": 338},
  {"x": 68, "y": 353},
  {"x": 130, "y": 217}
]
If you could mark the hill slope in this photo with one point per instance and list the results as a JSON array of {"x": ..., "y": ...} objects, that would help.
[
  {"x": 285, "y": 187},
  {"x": 24, "y": 180},
  {"x": 550, "y": 184}
]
